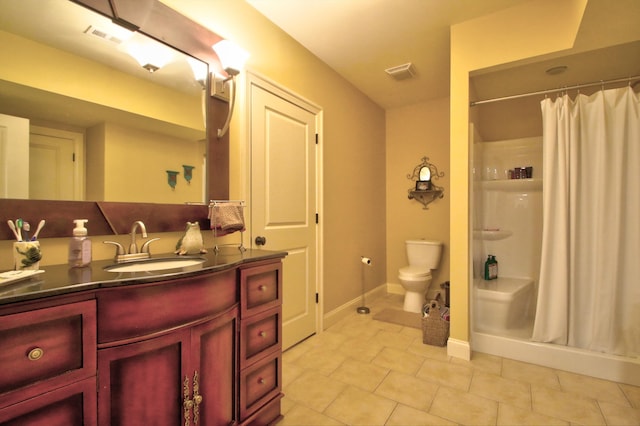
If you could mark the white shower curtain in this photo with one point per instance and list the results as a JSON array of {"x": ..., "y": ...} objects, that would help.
[{"x": 589, "y": 292}]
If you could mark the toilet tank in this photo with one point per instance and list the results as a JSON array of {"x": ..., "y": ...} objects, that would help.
[{"x": 424, "y": 253}]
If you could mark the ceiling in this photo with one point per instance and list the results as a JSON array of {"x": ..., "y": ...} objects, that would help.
[{"x": 361, "y": 38}]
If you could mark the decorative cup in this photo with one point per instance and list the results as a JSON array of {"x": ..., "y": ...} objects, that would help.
[{"x": 26, "y": 255}]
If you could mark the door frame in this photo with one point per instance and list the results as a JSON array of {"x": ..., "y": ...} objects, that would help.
[{"x": 251, "y": 78}]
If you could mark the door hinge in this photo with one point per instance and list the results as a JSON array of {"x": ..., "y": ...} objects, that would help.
[
  {"x": 316, "y": 139},
  {"x": 317, "y": 298},
  {"x": 317, "y": 218},
  {"x": 73, "y": 157}
]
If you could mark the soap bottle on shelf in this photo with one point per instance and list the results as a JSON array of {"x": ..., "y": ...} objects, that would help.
[
  {"x": 491, "y": 268},
  {"x": 80, "y": 245},
  {"x": 494, "y": 268},
  {"x": 487, "y": 268}
]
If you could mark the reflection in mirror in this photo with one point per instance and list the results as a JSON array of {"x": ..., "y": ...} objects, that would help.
[
  {"x": 83, "y": 119},
  {"x": 425, "y": 174}
]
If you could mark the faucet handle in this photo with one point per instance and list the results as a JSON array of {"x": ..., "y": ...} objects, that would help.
[
  {"x": 145, "y": 246},
  {"x": 119, "y": 247}
]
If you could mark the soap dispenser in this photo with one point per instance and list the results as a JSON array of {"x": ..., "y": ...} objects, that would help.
[{"x": 80, "y": 245}]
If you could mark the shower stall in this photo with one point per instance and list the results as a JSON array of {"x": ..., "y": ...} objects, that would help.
[{"x": 507, "y": 218}]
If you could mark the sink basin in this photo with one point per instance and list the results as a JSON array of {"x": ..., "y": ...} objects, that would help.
[{"x": 160, "y": 264}]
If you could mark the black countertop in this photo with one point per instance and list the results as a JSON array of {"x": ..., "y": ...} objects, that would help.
[{"x": 61, "y": 279}]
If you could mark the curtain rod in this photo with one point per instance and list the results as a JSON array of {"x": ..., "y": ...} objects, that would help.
[{"x": 544, "y": 92}]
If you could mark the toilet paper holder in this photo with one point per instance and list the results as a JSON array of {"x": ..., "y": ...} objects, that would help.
[{"x": 365, "y": 262}]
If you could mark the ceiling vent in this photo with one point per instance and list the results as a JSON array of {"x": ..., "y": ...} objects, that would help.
[
  {"x": 97, "y": 32},
  {"x": 401, "y": 72}
]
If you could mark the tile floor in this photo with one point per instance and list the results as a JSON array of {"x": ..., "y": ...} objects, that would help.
[{"x": 367, "y": 372}]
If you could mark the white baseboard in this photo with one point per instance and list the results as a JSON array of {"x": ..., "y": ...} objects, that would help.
[
  {"x": 341, "y": 312},
  {"x": 394, "y": 288},
  {"x": 459, "y": 349}
]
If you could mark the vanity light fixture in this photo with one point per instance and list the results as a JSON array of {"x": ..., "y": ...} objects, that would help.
[
  {"x": 199, "y": 70},
  {"x": 150, "y": 56},
  {"x": 232, "y": 59}
]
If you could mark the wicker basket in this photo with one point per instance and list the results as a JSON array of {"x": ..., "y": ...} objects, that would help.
[{"x": 435, "y": 330}]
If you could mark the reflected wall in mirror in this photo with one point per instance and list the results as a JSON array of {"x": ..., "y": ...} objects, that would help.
[{"x": 100, "y": 127}]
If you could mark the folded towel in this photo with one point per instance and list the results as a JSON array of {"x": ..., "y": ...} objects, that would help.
[{"x": 226, "y": 218}]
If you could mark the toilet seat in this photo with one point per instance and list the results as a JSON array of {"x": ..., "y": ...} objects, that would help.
[{"x": 414, "y": 273}]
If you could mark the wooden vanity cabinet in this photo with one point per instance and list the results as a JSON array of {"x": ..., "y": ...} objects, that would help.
[
  {"x": 260, "y": 343},
  {"x": 199, "y": 350},
  {"x": 48, "y": 359},
  {"x": 186, "y": 377},
  {"x": 183, "y": 369}
]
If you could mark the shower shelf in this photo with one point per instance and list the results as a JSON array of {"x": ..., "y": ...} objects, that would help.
[
  {"x": 491, "y": 235},
  {"x": 512, "y": 184}
]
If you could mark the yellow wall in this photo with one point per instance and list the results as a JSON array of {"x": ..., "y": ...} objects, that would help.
[
  {"x": 136, "y": 163},
  {"x": 353, "y": 216},
  {"x": 413, "y": 132},
  {"x": 42, "y": 67},
  {"x": 520, "y": 32}
]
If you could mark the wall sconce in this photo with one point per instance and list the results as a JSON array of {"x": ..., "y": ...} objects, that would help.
[
  {"x": 188, "y": 173},
  {"x": 232, "y": 59},
  {"x": 172, "y": 178},
  {"x": 199, "y": 69},
  {"x": 150, "y": 56},
  {"x": 425, "y": 190}
]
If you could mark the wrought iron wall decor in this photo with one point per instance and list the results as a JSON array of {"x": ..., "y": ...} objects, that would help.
[{"x": 425, "y": 190}]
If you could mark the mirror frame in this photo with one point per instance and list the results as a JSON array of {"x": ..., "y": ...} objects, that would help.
[{"x": 158, "y": 21}]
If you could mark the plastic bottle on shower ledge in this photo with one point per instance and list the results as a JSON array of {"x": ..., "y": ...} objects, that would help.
[
  {"x": 491, "y": 268},
  {"x": 494, "y": 268},
  {"x": 487, "y": 265}
]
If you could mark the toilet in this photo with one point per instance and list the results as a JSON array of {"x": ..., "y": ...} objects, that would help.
[
  {"x": 501, "y": 304},
  {"x": 423, "y": 256}
]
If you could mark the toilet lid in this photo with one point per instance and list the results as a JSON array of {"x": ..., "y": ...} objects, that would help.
[{"x": 415, "y": 272}]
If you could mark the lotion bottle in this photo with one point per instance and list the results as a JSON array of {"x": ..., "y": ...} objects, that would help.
[{"x": 80, "y": 245}]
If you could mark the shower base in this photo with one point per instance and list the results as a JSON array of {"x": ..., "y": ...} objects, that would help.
[{"x": 516, "y": 345}]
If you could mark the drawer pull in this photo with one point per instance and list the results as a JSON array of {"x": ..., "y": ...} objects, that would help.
[
  {"x": 261, "y": 381},
  {"x": 35, "y": 354},
  {"x": 262, "y": 334},
  {"x": 262, "y": 287}
]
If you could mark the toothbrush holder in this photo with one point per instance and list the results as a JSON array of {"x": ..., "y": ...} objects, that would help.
[{"x": 26, "y": 255}]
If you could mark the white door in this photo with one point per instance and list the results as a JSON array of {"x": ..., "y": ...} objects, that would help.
[
  {"x": 14, "y": 157},
  {"x": 56, "y": 159},
  {"x": 283, "y": 200}
]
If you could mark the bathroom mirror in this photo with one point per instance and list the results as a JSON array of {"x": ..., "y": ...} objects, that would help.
[
  {"x": 425, "y": 174},
  {"x": 70, "y": 72}
]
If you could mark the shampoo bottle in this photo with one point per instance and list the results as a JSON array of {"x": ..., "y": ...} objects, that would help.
[
  {"x": 494, "y": 268},
  {"x": 80, "y": 245},
  {"x": 491, "y": 268},
  {"x": 487, "y": 268}
]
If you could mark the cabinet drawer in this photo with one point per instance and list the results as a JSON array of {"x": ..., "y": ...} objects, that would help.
[
  {"x": 260, "y": 335},
  {"x": 261, "y": 288},
  {"x": 259, "y": 384},
  {"x": 129, "y": 313},
  {"x": 45, "y": 348},
  {"x": 269, "y": 414},
  {"x": 72, "y": 405}
]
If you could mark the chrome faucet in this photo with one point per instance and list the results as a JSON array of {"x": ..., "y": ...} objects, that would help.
[
  {"x": 133, "y": 247},
  {"x": 134, "y": 254}
]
